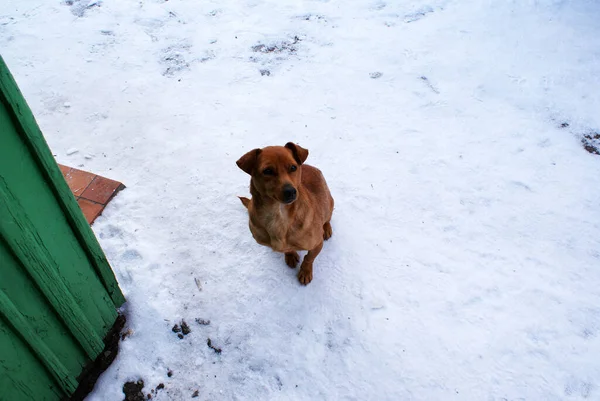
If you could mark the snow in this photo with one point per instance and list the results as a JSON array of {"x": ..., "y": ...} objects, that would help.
[{"x": 466, "y": 236}]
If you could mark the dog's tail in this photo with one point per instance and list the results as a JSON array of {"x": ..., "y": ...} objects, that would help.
[{"x": 245, "y": 201}]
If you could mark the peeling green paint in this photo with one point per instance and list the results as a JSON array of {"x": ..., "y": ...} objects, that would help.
[{"x": 58, "y": 294}]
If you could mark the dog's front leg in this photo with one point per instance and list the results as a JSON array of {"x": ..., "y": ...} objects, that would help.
[
  {"x": 292, "y": 259},
  {"x": 306, "y": 269}
]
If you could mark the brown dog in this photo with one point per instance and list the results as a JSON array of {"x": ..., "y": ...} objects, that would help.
[{"x": 291, "y": 206}]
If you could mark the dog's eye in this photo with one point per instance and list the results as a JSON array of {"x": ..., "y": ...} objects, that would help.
[
  {"x": 293, "y": 168},
  {"x": 268, "y": 171}
]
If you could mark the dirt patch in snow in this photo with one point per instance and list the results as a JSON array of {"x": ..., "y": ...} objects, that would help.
[
  {"x": 211, "y": 346},
  {"x": 591, "y": 142},
  {"x": 182, "y": 330},
  {"x": 133, "y": 391}
]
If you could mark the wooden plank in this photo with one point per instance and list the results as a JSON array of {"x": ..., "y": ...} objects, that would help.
[
  {"x": 27, "y": 184},
  {"x": 21, "y": 328},
  {"x": 18, "y": 286},
  {"x": 23, "y": 240},
  {"x": 28, "y": 128},
  {"x": 22, "y": 374}
]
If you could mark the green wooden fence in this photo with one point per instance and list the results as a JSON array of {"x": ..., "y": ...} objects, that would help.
[{"x": 58, "y": 294}]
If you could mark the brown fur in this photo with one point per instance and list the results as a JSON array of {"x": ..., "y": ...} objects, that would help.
[{"x": 288, "y": 227}]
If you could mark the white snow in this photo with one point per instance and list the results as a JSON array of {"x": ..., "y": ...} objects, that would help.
[{"x": 464, "y": 263}]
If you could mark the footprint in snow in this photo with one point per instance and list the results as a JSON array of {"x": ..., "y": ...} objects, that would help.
[
  {"x": 417, "y": 15},
  {"x": 173, "y": 58},
  {"x": 79, "y": 7},
  {"x": 54, "y": 102},
  {"x": 575, "y": 387},
  {"x": 274, "y": 52},
  {"x": 380, "y": 5},
  {"x": 131, "y": 255},
  {"x": 312, "y": 17},
  {"x": 110, "y": 231}
]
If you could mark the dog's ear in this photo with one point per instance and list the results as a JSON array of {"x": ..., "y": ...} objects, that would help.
[
  {"x": 300, "y": 154},
  {"x": 248, "y": 161}
]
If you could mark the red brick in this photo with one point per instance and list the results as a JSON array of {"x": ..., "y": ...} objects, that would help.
[
  {"x": 101, "y": 190},
  {"x": 90, "y": 209},
  {"x": 79, "y": 180},
  {"x": 64, "y": 169}
]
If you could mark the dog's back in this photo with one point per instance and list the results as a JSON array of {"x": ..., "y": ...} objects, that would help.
[{"x": 314, "y": 182}]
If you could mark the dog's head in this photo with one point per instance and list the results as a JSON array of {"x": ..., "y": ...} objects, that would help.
[{"x": 276, "y": 170}]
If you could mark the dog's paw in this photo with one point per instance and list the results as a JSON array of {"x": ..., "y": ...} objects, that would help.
[
  {"x": 292, "y": 259},
  {"x": 305, "y": 275},
  {"x": 327, "y": 231}
]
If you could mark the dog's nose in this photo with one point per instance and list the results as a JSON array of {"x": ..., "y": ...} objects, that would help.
[{"x": 289, "y": 193}]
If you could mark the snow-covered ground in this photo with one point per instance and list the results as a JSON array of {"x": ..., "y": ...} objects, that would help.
[{"x": 465, "y": 259}]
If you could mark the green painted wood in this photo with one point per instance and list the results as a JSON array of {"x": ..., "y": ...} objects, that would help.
[
  {"x": 22, "y": 238},
  {"x": 12, "y": 316},
  {"x": 29, "y": 186},
  {"x": 33, "y": 305},
  {"x": 29, "y": 129},
  {"x": 20, "y": 377},
  {"x": 58, "y": 294}
]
